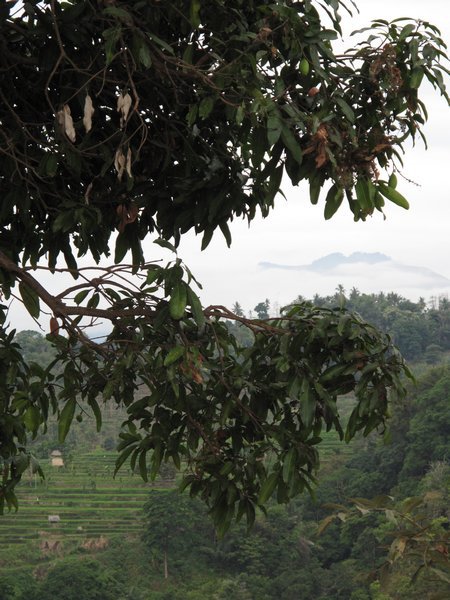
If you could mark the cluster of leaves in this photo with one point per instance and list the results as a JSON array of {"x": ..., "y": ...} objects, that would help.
[
  {"x": 23, "y": 406},
  {"x": 173, "y": 116},
  {"x": 420, "y": 330},
  {"x": 415, "y": 537},
  {"x": 186, "y": 114},
  {"x": 243, "y": 422}
]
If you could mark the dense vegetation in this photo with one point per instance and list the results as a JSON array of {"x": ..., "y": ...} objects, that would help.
[
  {"x": 126, "y": 120},
  {"x": 175, "y": 554},
  {"x": 152, "y": 119},
  {"x": 421, "y": 329}
]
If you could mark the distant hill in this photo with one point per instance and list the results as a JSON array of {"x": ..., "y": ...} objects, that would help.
[{"x": 337, "y": 263}]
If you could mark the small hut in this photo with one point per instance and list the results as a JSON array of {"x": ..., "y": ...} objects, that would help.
[
  {"x": 53, "y": 519},
  {"x": 56, "y": 459}
]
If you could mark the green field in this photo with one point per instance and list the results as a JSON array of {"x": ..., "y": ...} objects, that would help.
[
  {"x": 85, "y": 496},
  {"x": 94, "y": 508}
]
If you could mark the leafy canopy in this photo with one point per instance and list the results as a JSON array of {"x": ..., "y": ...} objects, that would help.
[{"x": 123, "y": 119}]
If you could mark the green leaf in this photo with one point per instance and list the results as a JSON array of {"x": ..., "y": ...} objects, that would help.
[
  {"x": 240, "y": 114},
  {"x": 289, "y": 464},
  {"x": 161, "y": 43},
  {"x": 144, "y": 56},
  {"x": 206, "y": 106},
  {"x": 65, "y": 419},
  {"x": 122, "y": 247},
  {"x": 258, "y": 146},
  {"x": 333, "y": 201},
  {"x": 393, "y": 181},
  {"x": 21, "y": 462},
  {"x": 250, "y": 514},
  {"x": 32, "y": 418},
  {"x": 274, "y": 129},
  {"x": 274, "y": 183},
  {"x": 207, "y": 236},
  {"x": 51, "y": 166},
  {"x": 112, "y": 36},
  {"x": 143, "y": 465},
  {"x": 123, "y": 457},
  {"x": 81, "y": 296},
  {"x": 194, "y": 15},
  {"x": 176, "y": 460},
  {"x": 191, "y": 116},
  {"x": 268, "y": 487},
  {"x": 94, "y": 300},
  {"x": 97, "y": 413},
  {"x": 346, "y": 109},
  {"x": 64, "y": 221},
  {"x": 315, "y": 185},
  {"x": 118, "y": 13},
  {"x": 226, "y": 233},
  {"x": 165, "y": 244},
  {"x": 365, "y": 193},
  {"x": 393, "y": 195},
  {"x": 196, "y": 306},
  {"x": 307, "y": 403},
  {"x": 178, "y": 300},
  {"x": 416, "y": 78},
  {"x": 173, "y": 355},
  {"x": 291, "y": 143},
  {"x": 157, "y": 457},
  {"x": 30, "y": 299}
]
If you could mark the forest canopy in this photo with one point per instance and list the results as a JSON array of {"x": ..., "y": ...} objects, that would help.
[{"x": 122, "y": 120}]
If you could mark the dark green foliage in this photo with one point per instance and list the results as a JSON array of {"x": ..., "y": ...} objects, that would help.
[
  {"x": 165, "y": 117},
  {"x": 262, "y": 309},
  {"x": 282, "y": 557},
  {"x": 217, "y": 406},
  {"x": 274, "y": 560},
  {"x": 417, "y": 329},
  {"x": 35, "y": 347},
  {"x": 78, "y": 578},
  {"x": 429, "y": 429},
  {"x": 174, "y": 523},
  {"x": 204, "y": 126},
  {"x": 24, "y": 404},
  {"x": 6, "y": 591}
]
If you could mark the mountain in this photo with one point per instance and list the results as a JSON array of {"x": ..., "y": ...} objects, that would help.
[{"x": 337, "y": 264}]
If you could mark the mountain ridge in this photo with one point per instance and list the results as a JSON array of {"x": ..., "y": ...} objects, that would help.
[{"x": 330, "y": 263}]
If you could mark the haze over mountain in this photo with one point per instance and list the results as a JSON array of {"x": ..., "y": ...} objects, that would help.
[{"x": 377, "y": 264}]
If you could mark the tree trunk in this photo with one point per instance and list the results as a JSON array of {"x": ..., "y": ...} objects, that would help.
[{"x": 166, "y": 567}]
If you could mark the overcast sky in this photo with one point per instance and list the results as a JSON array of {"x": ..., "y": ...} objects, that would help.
[{"x": 295, "y": 233}]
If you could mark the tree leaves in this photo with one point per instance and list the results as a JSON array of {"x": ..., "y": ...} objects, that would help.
[
  {"x": 393, "y": 195},
  {"x": 307, "y": 403},
  {"x": 65, "y": 419},
  {"x": 30, "y": 299},
  {"x": 242, "y": 421},
  {"x": 333, "y": 201},
  {"x": 178, "y": 300},
  {"x": 173, "y": 355},
  {"x": 268, "y": 487},
  {"x": 330, "y": 121},
  {"x": 191, "y": 131}
]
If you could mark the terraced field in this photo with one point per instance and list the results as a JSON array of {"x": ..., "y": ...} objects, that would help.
[
  {"x": 93, "y": 508},
  {"x": 85, "y": 497}
]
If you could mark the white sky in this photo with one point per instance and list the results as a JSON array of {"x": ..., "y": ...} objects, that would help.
[{"x": 295, "y": 232}]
